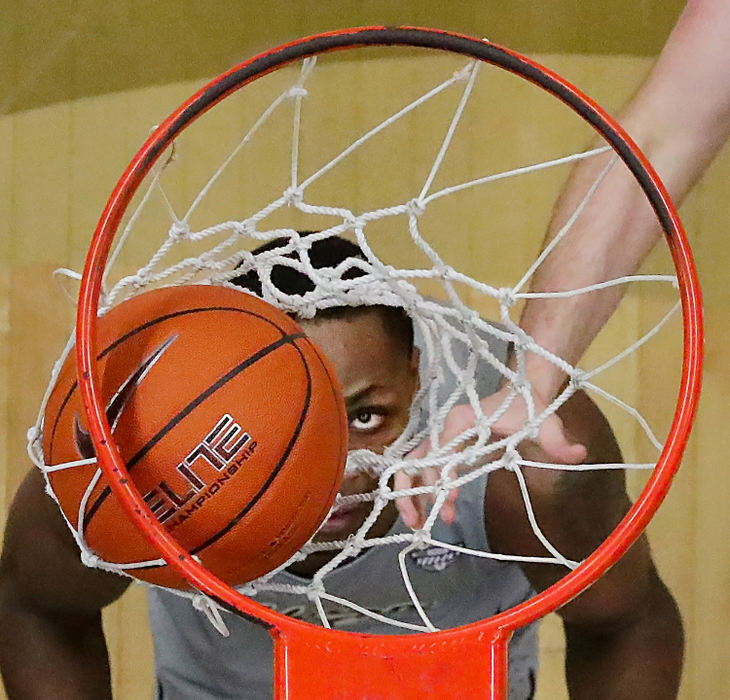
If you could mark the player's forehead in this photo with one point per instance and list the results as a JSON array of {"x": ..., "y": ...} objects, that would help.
[{"x": 360, "y": 348}]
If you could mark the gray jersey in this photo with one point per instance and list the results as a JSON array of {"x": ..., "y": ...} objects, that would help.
[{"x": 193, "y": 660}]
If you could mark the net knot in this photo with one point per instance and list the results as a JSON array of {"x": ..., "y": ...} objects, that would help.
[
  {"x": 463, "y": 73},
  {"x": 520, "y": 383},
  {"x": 442, "y": 484},
  {"x": 416, "y": 206},
  {"x": 315, "y": 590},
  {"x": 419, "y": 540},
  {"x": 351, "y": 221},
  {"x": 297, "y": 91},
  {"x": 577, "y": 379},
  {"x": 179, "y": 229},
  {"x": 137, "y": 281},
  {"x": 244, "y": 228},
  {"x": 532, "y": 429},
  {"x": 510, "y": 459},
  {"x": 351, "y": 547},
  {"x": 506, "y": 296},
  {"x": 90, "y": 559},
  {"x": 293, "y": 196},
  {"x": 33, "y": 434},
  {"x": 205, "y": 605}
]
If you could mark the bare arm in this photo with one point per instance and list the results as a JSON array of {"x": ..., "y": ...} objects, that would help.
[
  {"x": 52, "y": 604},
  {"x": 624, "y": 635},
  {"x": 680, "y": 117}
]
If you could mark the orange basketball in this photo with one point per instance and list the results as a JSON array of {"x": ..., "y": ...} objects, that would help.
[{"x": 231, "y": 423}]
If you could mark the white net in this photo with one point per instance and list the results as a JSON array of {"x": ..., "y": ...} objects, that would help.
[{"x": 463, "y": 323}]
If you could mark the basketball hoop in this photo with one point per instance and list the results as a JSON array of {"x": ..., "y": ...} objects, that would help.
[{"x": 471, "y": 658}]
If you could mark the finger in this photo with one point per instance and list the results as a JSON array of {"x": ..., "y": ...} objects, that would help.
[
  {"x": 453, "y": 496},
  {"x": 556, "y": 444},
  {"x": 459, "y": 419},
  {"x": 420, "y": 451},
  {"x": 429, "y": 477},
  {"x": 411, "y": 509},
  {"x": 410, "y": 515},
  {"x": 448, "y": 510}
]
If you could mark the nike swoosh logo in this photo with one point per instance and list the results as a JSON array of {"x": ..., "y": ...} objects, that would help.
[{"x": 118, "y": 402}]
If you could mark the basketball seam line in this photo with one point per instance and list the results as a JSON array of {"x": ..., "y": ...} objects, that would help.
[
  {"x": 187, "y": 410},
  {"x": 274, "y": 472},
  {"x": 139, "y": 329}
]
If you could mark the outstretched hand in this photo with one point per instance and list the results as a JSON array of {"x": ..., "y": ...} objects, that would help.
[{"x": 551, "y": 445}]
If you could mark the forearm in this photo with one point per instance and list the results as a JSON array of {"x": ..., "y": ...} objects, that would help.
[
  {"x": 640, "y": 659},
  {"x": 45, "y": 658},
  {"x": 680, "y": 117},
  {"x": 51, "y": 641},
  {"x": 611, "y": 238}
]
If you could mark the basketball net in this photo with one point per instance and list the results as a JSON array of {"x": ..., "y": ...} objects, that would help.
[{"x": 445, "y": 303}]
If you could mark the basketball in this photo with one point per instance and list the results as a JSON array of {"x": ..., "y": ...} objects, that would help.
[{"x": 231, "y": 423}]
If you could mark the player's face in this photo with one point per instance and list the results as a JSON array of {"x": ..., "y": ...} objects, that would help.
[{"x": 379, "y": 379}]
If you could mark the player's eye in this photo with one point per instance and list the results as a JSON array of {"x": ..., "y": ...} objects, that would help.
[{"x": 366, "y": 420}]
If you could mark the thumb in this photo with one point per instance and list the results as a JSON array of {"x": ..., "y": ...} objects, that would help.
[{"x": 556, "y": 444}]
